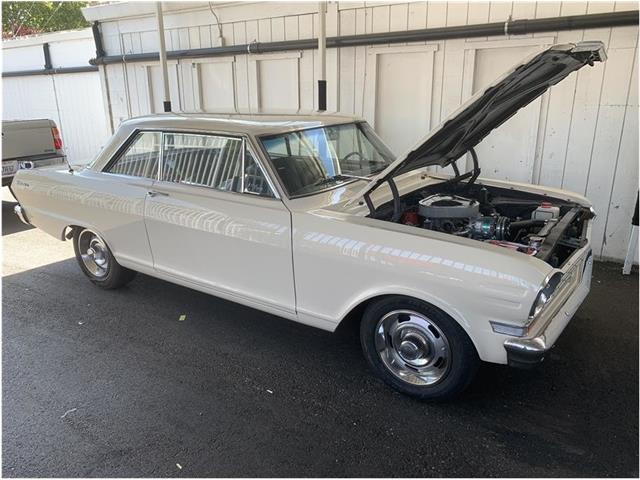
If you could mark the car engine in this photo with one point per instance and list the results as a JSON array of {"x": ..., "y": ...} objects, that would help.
[
  {"x": 471, "y": 218},
  {"x": 461, "y": 216},
  {"x": 548, "y": 228}
]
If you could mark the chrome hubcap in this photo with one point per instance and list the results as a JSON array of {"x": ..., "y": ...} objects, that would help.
[
  {"x": 93, "y": 252},
  {"x": 412, "y": 347}
]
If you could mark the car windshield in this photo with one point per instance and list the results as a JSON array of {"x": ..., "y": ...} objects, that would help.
[{"x": 308, "y": 161}]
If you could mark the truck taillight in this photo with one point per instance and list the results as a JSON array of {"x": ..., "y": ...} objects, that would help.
[{"x": 57, "y": 139}]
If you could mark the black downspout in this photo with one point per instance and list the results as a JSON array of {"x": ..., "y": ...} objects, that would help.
[
  {"x": 97, "y": 39},
  {"x": 322, "y": 95},
  {"x": 47, "y": 57}
]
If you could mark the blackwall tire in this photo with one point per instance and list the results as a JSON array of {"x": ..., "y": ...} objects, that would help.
[{"x": 417, "y": 349}]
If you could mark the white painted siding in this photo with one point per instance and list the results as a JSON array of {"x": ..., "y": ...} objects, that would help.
[
  {"x": 582, "y": 135},
  {"x": 73, "y": 101}
]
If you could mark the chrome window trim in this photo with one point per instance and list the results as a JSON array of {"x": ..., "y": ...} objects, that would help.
[
  {"x": 124, "y": 147},
  {"x": 259, "y": 163},
  {"x": 191, "y": 167},
  {"x": 202, "y": 189},
  {"x": 246, "y": 142},
  {"x": 161, "y": 158},
  {"x": 132, "y": 177},
  {"x": 265, "y": 167},
  {"x": 285, "y": 193},
  {"x": 249, "y": 142},
  {"x": 256, "y": 152},
  {"x": 242, "y": 159}
]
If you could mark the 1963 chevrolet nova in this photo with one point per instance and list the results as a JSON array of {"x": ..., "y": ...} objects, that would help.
[{"x": 311, "y": 218}]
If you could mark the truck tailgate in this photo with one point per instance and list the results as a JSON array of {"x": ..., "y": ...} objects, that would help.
[{"x": 27, "y": 138}]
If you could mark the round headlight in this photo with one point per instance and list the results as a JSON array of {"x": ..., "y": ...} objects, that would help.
[{"x": 545, "y": 294}]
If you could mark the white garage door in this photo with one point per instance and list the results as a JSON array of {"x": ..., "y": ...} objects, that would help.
[
  {"x": 400, "y": 89},
  {"x": 507, "y": 153}
]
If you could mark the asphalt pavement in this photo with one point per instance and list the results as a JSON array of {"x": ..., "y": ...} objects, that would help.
[{"x": 115, "y": 384}]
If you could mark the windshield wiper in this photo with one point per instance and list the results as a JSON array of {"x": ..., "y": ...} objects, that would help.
[
  {"x": 357, "y": 177},
  {"x": 340, "y": 177}
]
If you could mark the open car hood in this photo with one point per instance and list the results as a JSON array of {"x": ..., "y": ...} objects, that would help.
[{"x": 490, "y": 108}]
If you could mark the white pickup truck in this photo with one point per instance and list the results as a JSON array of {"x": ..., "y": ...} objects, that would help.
[{"x": 29, "y": 144}]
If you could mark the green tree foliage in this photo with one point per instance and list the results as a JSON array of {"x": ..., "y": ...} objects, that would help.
[{"x": 27, "y": 18}]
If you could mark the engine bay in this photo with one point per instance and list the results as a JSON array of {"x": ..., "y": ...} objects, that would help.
[{"x": 550, "y": 229}]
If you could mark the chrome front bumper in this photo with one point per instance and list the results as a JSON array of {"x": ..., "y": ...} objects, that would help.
[
  {"x": 19, "y": 211},
  {"x": 525, "y": 352}
]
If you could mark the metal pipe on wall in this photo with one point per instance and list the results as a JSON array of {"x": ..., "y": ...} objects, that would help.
[
  {"x": 51, "y": 71},
  {"x": 509, "y": 27},
  {"x": 322, "y": 56},
  {"x": 514, "y": 27},
  {"x": 166, "y": 100}
]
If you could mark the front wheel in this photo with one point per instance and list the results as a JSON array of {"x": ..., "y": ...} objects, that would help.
[
  {"x": 97, "y": 262},
  {"x": 417, "y": 349}
]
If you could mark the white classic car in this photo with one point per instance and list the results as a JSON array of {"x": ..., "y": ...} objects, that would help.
[{"x": 313, "y": 219}]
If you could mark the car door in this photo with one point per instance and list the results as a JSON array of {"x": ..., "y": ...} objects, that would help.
[
  {"x": 115, "y": 197},
  {"x": 214, "y": 221}
]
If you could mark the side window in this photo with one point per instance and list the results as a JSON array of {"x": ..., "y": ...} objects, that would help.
[
  {"x": 141, "y": 158},
  {"x": 254, "y": 180},
  {"x": 203, "y": 160}
]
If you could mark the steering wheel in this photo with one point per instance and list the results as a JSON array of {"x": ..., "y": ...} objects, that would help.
[{"x": 354, "y": 153}]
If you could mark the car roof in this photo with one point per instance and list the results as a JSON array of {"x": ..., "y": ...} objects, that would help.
[{"x": 253, "y": 124}]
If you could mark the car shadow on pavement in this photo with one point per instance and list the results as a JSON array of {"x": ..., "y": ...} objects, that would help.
[{"x": 155, "y": 374}]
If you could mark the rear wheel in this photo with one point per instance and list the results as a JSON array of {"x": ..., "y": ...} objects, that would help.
[
  {"x": 417, "y": 349},
  {"x": 97, "y": 262}
]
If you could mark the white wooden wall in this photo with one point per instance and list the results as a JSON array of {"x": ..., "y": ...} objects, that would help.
[
  {"x": 73, "y": 101},
  {"x": 582, "y": 135}
]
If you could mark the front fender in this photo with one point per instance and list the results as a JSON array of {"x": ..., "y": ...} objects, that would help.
[
  {"x": 398, "y": 290},
  {"x": 341, "y": 263}
]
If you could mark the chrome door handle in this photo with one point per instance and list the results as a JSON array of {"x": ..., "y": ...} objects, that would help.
[{"x": 154, "y": 193}]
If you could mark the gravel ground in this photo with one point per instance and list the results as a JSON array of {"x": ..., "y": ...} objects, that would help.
[{"x": 110, "y": 384}]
